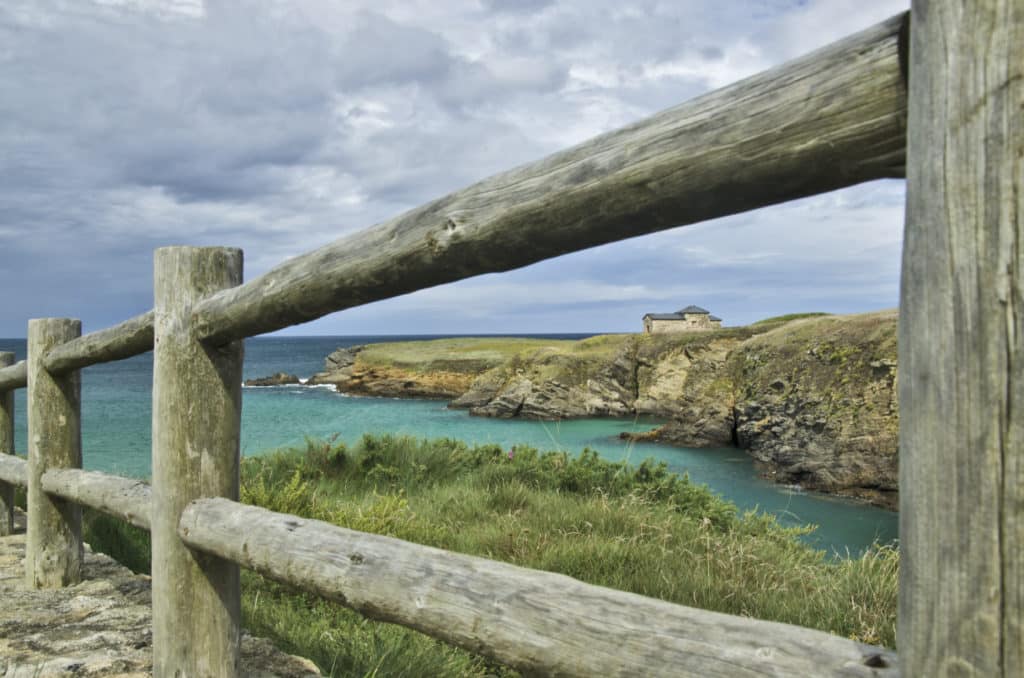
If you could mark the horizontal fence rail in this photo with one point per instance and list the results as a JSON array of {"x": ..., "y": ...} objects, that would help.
[
  {"x": 532, "y": 620},
  {"x": 124, "y": 498},
  {"x": 13, "y": 470},
  {"x": 124, "y": 340},
  {"x": 7, "y": 450},
  {"x": 833, "y": 118},
  {"x": 14, "y": 376}
]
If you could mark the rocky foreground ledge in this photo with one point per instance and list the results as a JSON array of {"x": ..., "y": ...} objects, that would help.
[{"x": 100, "y": 627}]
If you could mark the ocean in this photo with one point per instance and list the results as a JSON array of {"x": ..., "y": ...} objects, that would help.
[{"x": 116, "y": 413}]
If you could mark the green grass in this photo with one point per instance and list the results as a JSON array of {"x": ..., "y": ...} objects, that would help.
[
  {"x": 790, "y": 316},
  {"x": 462, "y": 354},
  {"x": 636, "y": 528}
]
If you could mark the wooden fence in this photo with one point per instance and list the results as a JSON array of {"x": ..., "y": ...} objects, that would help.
[{"x": 834, "y": 118}]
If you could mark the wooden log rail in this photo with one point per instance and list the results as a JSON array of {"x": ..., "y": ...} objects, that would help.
[
  {"x": 124, "y": 498},
  {"x": 6, "y": 451},
  {"x": 13, "y": 470},
  {"x": 535, "y": 621},
  {"x": 124, "y": 340},
  {"x": 14, "y": 376},
  {"x": 132, "y": 337}
]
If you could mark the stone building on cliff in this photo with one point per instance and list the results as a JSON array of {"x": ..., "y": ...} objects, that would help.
[{"x": 687, "y": 319}]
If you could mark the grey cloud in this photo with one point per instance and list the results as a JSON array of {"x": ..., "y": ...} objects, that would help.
[
  {"x": 379, "y": 51},
  {"x": 174, "y": 106},
  {"x": 516, "y": 5},
  {"x": 712, "y": 53}
]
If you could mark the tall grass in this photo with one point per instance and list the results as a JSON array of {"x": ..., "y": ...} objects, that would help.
[
  {"x": 790, "y": 316},
  {"x": 636, "y": 528}
]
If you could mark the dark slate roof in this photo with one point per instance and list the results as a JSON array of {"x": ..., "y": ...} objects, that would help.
[
  {"x": 663, "y": 316},
  {"x": 692, "y": 309},
  {"x": 714, "y": 317}
]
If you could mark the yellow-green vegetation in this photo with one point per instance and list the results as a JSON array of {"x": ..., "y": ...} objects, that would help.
[
  {"x": 563, "y": 360},
  {"x": 836, "y": 357},
  {"x": 571, "y": 362},
  {"x": 462, "y": 354},
  {"x": 789, "y": 316},
  {"x": 637, "y": 528}
]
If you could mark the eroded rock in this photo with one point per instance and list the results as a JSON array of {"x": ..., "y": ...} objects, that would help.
[
  {"x": 99, "y": 627},
  {"x": 278, "y": 379}
]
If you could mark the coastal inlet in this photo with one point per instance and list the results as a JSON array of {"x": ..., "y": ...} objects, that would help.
[{"x": 116, "y": 415}]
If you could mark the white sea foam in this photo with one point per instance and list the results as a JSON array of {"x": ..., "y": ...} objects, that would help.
[{"x": 329, "y": 387}]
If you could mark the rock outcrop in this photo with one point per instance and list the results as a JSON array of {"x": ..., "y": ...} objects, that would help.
[
  {"x": 589, "y": 380},
  {"x": 99, "y": 627},
  {"x": 813, "y": 400},
  {"x": 278, "y": 379},
  {"x": 349, "y": 370},
  {"x": 817, "y": 402},
  {"x": 338, "y": 367}
]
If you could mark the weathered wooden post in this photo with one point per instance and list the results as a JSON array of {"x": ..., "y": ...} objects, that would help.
[
  {"x": 6, "y": 447},
  {"x": 197, "y": 399},
  {"x": 53, "y": 552},
  {"x": 961, "y": 344}
]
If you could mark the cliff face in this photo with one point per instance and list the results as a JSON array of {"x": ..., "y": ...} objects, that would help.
[
  {"x": 816, "y": 401},
  {"x": 813, "y": 400},
  {"x": 423, "y": 369},
  {"x": 590, "y": 378}
]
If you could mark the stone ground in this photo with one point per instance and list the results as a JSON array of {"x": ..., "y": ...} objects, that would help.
[{"x": 100, "y": 627}]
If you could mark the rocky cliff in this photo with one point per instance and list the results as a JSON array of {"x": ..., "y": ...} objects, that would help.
[
  {"x": 812, "y": 399},
  {"x": 817, "y": 402}
]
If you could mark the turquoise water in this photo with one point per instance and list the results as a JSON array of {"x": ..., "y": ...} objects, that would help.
[{"x": 116, "y": 417}]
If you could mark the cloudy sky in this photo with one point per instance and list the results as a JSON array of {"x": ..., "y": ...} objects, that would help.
[{"x": 279, "y": 126}]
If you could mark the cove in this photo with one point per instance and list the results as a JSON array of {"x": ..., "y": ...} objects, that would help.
[{"x": 116, "y": 418}]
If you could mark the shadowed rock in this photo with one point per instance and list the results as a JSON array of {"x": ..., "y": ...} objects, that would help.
[{"x": 278, "y": 379}]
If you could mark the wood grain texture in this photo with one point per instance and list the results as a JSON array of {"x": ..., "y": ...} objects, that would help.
[
  {"x": 53, "y": 550},
  {"x": 14, "y": 377},
  {"x": 961, "y": 344},
  {"x": 13, "y": 470},
  {"x": 124, "y": 498},
  {"x": 831, "y": 119},
  {"x": 132, "y": 337},
  {"x": 197, "y": 404},
  {"x": 6, "y": 449},
  {"x": 536, "y": 621}
]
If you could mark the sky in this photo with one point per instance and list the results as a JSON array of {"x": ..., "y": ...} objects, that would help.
[{"x": 280, "y": 126}]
